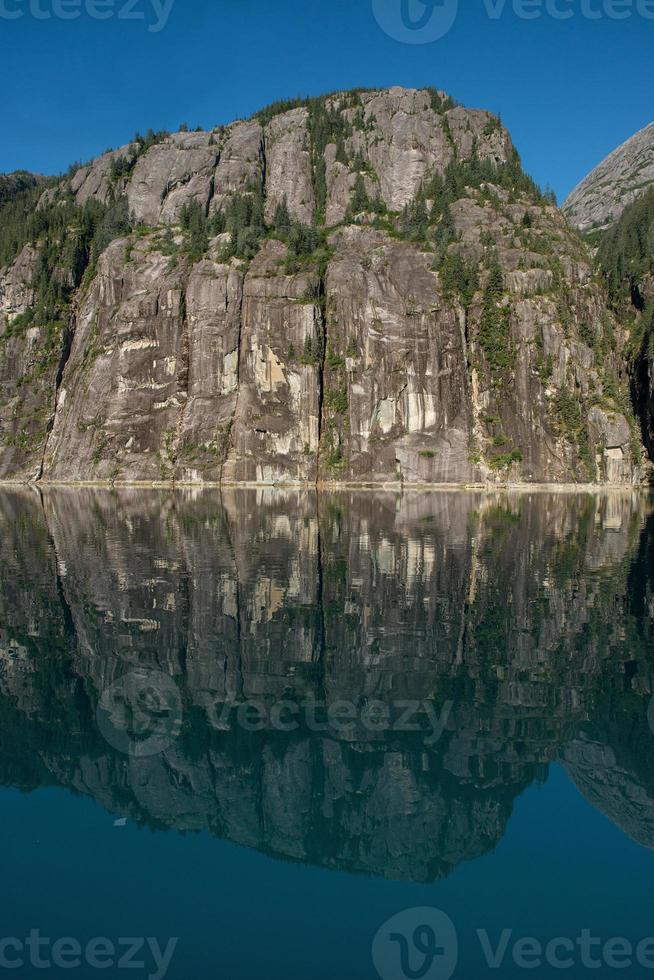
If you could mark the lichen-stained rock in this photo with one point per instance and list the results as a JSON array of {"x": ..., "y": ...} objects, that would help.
[
  {"x": 612, "y": 437},
  {"x": 31, "y": 356},
  {"x": 94, "y": 180},
  {"x": 214, "y": 296},
  {"x": 120, "y": 404},
  {"x": 403, "y": 140},
  {"x": 396, "y": 403},
  {"x": 340, "y": 180},
  {"x": 30, "y": 359},
  {"x": 170, "y": 175},
  {"x": 16, "y": 284},
  {"x": 288, "y": 165},
  {"x": 240, "y": 165},
  {"x": 274, "y": 436},
  {"x": 555, "y": 338},
  {"x": 477, "y": 131}
]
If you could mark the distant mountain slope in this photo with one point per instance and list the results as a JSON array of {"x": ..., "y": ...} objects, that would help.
[
  {"x": 15, "y": 183},
  {"x": 602, "y": 196},
  {"x": 626, "y": 260}
]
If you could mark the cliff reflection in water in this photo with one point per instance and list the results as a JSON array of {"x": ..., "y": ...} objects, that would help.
[{"x": 528, "y": 616}]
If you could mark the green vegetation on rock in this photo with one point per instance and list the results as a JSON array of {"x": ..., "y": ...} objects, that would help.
[
  {"x": 494, "y": 334},
  {"x": 626, "y": 260}
]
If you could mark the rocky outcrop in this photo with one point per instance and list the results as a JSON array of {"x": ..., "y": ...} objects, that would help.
[
  {"x": 31, "y": 358},
  {"x": 124, "y": 388},
  {"x": 398, "y": 132},
  {"x": 442, "y": 325},
  {"x": 94, "y": 181},
  {"x": 599, "y": 200},
  {"x": 275, "y": 427},
  {"x": 17, "y": 294},
  {"x": 397, "y": 386}
]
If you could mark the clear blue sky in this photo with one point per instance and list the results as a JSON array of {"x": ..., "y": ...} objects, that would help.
[{"x": 570, "y": 91}]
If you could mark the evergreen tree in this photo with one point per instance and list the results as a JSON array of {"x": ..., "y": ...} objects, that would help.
[
  {"x": 194, "y": 222},
  {"x": 626, "y": 251},
  {"x": 459, "y": 278},
  {"x": 414, "y": 220},
  {"x": 495, "y": 282},
  {"x": 282, "y": 218},
  {"x": 359, "y": 200},
  {"x": 494, "y": 335}
]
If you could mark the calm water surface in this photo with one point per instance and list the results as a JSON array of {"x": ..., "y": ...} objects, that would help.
[{"x": 245, "y": 731}]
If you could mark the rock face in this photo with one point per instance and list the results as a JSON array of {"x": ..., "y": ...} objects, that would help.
[
  {"x": 400, "y": 133},
  {"x": 415, "y": 341},
  {"x": 31, "y": 358},
  {"x": 517, "y": 611},
  {"x": 602, "y": 196}
]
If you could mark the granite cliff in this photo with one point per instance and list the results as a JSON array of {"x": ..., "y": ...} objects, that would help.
[
  {"x": 601, "y": 197},
  {"x": 359, "y": 288}
]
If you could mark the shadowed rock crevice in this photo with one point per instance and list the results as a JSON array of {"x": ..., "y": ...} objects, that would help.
[{"x": 67, "y": 344}]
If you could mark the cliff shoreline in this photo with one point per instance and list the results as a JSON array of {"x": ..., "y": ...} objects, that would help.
[
  {"x": 644, "y": 488},
  {"x": 364, "y": 288}
]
